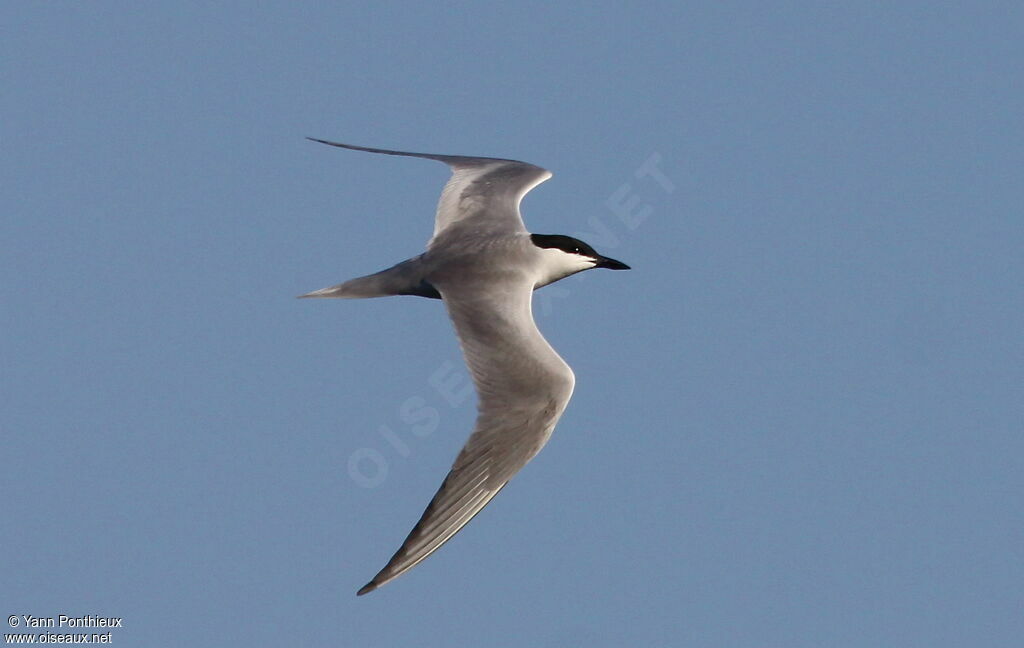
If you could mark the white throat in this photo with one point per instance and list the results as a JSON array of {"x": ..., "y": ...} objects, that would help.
[{"x": 557, "y": 264}]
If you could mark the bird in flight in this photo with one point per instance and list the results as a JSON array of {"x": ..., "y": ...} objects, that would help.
[{"x": 484, "y": 265}]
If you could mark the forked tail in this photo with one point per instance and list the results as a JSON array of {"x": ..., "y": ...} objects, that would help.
[{"x": 406, "y": 278}]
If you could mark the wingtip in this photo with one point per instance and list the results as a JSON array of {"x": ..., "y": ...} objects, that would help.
[
  {"x": 366, "y": 589},
  {"x": 330, "y": 291},
  {"x": 351, "y": 147}
]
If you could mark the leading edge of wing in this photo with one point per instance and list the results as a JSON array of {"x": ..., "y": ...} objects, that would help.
[{"x": 453, "y": 160}]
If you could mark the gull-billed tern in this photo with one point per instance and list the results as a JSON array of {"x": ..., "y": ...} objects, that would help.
[{"x": 484, "y": 265}]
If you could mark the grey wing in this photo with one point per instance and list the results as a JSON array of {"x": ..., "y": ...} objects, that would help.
[
  {"x": 523, "y": 387},
  {"x": 487, "y": 190}
]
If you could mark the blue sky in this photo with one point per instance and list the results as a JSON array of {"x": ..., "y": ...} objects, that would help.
[{"x": 797, "y": 420}]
